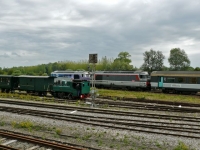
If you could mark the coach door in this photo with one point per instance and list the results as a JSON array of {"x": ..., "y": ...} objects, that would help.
[{"x": 160, "y": 82}]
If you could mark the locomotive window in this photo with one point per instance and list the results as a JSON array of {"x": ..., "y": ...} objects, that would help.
[
  {"x": 98, "y": 77},
  {"x": 193, "y": 80},
  {"x": 143, "y": 76},
  {"x": 76, "y": 76}
]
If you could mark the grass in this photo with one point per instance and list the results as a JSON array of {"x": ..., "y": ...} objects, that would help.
[
  {"x": 116, "y": 95},
  {"x": 149, "y": 96}
]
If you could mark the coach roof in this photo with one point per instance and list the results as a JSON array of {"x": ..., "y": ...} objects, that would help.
[{"x": 176, "y": 73}]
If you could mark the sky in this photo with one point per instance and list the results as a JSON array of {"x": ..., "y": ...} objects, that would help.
[{"x": 34, "y": 32}]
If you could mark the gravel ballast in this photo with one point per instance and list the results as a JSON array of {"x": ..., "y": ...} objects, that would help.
[{"x": 93, "y": 136}]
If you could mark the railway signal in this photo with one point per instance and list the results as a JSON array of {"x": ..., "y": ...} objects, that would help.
[{"x": 93, "y": 58}]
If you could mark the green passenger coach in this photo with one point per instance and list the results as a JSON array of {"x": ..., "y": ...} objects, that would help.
[
  {"x": 8, "y": 83},
  {"x": 35, "y": 84}
]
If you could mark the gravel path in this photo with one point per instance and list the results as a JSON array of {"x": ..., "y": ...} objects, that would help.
[{"x": 103, "y": 138}]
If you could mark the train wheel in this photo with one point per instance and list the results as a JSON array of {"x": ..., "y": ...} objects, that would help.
[
  {"x": 70, "y": 96},
  {"x": 60, "y": 95},
  {"x": 7, "y": 90},
  {"x": 55, "y": 94},
  {"x": 44, "y": 93}
]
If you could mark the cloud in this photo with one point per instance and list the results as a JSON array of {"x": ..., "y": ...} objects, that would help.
[{"x": 34, "y": 32}]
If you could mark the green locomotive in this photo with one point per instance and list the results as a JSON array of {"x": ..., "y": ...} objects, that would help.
[{"x": 75, "y": 89}]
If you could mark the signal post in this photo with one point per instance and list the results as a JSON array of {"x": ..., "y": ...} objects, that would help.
[{"x": 93, "y": 58}]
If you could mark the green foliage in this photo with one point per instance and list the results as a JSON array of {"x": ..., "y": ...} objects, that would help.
[
  {"x": 16, "y": 73},
  {"x": 178, "y": 60},
  {"x": 153, "y": 60},
  {"x": 122, "y": 62},
  {"x": 181, "y": 146},
  {"x": 197, "y": 69},
  {"x": 58, "y": 131}
]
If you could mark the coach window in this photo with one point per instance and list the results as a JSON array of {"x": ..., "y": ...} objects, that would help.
[
  {"x": 181, "y": 80},
  {"x": 170, "y": 80},
  {"x": 193, "y": 80}
]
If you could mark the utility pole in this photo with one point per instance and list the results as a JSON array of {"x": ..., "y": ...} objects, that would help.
[{"x": 93, "y": 58}]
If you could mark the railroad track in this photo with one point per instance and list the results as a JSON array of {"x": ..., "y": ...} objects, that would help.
[
  {"x": 147, "y": 106},
  {"x": 13, "y": 137},
  {"x": 133, "y": 103},
  {"x": 188, "y": 127}
]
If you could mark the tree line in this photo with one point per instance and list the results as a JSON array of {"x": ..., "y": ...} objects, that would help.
[{"x": 153, "y": 61}]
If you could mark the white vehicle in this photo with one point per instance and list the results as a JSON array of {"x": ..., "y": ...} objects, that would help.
[
  {"x": 70, "y": 75},
  {"x": 123, "y": 80}
]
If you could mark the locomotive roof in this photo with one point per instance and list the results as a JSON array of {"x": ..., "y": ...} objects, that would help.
[
  {"x": 176, "y": 73},
  {"x": 124, "y": 72},
  {"x": 65, "y": 71}
]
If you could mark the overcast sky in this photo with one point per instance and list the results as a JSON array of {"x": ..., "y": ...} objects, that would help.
[{"x": 34, "y": 32}]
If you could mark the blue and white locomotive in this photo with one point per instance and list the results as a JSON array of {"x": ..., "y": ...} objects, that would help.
[{"x": 70, "y": 75}]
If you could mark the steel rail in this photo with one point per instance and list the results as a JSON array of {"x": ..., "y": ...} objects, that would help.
[{"x": 39, "y": 142}]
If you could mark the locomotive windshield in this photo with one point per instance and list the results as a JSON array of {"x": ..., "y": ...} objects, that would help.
[{"x": 144, "y": 77}]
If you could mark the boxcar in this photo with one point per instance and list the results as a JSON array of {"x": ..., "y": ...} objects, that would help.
[
  {"x": 176, "y": 81},
  {"x": 72, "y": 89},
  {"x": 8, "y": 83},
  {"x": 36, "y": 84}
]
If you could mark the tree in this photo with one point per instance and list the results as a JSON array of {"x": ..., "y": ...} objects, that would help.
[
  {"x": 16, "y": 73},
  {"x": 153, "y": 60},
  {"x": 122, "y": 62},
  {"x": 197, "y": 69},
  {"x": 178, "y": 59},
  {"x": 104, "y": 64}
]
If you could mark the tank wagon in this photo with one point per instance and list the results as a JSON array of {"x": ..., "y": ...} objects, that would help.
[
  {"x": 41, "y": 85},
  {"x": 176, "y": 81},
  {"x": 137, "y": 80}
]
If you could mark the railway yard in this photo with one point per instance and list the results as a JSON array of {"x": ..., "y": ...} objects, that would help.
[{"x": 113, "y": 124}]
